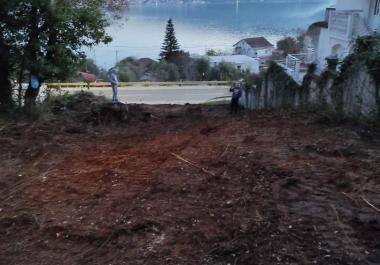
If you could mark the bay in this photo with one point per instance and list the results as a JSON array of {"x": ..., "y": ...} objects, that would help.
[{"x": 205, "y": 25}]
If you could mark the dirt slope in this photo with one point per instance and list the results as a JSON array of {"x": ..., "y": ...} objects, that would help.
[{"x": 189, "y": 185}]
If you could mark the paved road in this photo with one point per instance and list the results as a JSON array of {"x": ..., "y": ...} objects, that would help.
[{"x": 164, "y": 95}]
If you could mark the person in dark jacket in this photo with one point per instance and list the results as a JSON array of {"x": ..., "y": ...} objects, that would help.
[{"x": 236, "y": 90}]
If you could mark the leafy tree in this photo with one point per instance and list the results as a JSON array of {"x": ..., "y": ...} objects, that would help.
[
  {"x": 56, "y": 32},
  {"x": 225, "y": 72},
  {"x": 289, "y": 45},
  {"x": 212, "y": 52},
  {"x": 164, "y": 71},
  {"x": 170, "y": 47},
  {"x": 44, "y": 38},
  {"x": 183, "y": 62},
  {"x": 90, "y": 66},
  {"x": 129, "y": 70},
  {"x": 103, "y": 74},
  {"x": 9, "y": 33},
  {"x": 203, "y": 68}
]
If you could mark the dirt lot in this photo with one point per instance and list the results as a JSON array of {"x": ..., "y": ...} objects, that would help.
[{"x": 190, "y": 185}]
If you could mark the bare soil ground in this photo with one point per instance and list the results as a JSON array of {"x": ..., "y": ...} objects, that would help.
[{"x": 189, "y": 185}]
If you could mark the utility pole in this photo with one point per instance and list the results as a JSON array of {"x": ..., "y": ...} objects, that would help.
[{"x": 117, "y": 56}]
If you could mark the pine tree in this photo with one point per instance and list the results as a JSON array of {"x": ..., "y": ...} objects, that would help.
[{"x": 170, "y": 46}]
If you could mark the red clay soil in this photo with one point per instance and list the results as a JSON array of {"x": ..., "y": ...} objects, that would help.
[{"x": 190, "y": 185}]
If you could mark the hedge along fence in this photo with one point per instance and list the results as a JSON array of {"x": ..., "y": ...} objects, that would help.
[
  {"x": 358, "y": 85},
  {"x": 276, "y": 90},
  {"x": 351, "y": 88}
]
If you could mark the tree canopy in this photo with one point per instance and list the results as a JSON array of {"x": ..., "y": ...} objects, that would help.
[
  {"x": 290, "y": 45},
  {"x": 170, "y": 46},
  {"x": 44, "y": 38}
]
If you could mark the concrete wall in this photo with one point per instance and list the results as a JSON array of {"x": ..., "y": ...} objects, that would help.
[
  {"x": 323, "y": 48},
  {"x": 356, "y": 97},
  {"x": 329, "y": 46},
  {"x": 359, "y": 97},
  {"x": 374, "y": 18},
  {"x": 262, "y": 53},
  {"x": 354, "y": 5}
]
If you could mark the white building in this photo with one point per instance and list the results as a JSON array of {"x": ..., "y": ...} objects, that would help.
[
  {"x": 258, "y": 47},
  {"x": 241, "y": 62},
  {"x": 347, "y": 20}
]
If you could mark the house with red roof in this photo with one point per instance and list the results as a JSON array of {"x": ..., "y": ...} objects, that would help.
[{"x": 258, "y": 47}]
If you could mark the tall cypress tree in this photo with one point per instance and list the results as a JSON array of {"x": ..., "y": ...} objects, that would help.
[{"x": 170, "y": 46}]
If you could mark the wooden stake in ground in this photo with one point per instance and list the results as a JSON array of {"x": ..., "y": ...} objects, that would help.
[
  {"x": 194, "y": 165},
  {"x": 370, "y": 204}
]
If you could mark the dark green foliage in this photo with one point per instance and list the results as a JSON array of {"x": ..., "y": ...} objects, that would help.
[
  {"x": 369, "y": 48},
  {"x": 8, "y": 36},
  {"x": 5, "y": 85},
  {"x": 253, "y": 81},
  {"x": 45, "y": 38},
  {"x": 317, "y": 25},
  {"x": 183, "y": 62},
  {"x": 90, "y": 66},
  {"x": 284, "y": 86},
  {"x": 170, "y": 47},
  {"x": 328, "y": 75},
  {"x": 290, "y": 45},
  {"x": 225, "y": 72},
  {"x": 304, "y": 90},
  {"x": 366, "y": 54},
  {"x": 164, "y": 71},
  {"x": 203, "y": 69},
  {"x": 311, "y": 68},
  {"x": 212, "y": 52},
  {"x": 129, "y": 70}
]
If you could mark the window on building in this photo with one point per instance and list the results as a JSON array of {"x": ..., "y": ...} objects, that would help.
[{"x": 377, "y": 7}]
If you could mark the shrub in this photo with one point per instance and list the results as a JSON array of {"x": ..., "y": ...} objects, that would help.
[
  {"x": 129, "y": 70},
  {"x": 202, "y": 69},
  {"x": 289, "y": 45},
  {"x": 225, "y": 72},
  {"x": 164, "y": 71}
]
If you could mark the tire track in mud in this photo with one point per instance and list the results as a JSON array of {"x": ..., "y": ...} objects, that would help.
[{"x": 124, "y": 199}]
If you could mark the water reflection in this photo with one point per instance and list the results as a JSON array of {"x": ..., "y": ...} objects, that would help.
[{"x": 201, "y": 25}]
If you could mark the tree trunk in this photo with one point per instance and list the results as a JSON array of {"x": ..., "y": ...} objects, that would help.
[
  {"x": 5, "y": 85},
  {"x": 377, "y": 98},
  {"x": 32, "y": 50},
  {"x": 31, "y": 95}
]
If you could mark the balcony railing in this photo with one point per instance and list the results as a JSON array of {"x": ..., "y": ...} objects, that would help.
[{"x": 296, "y": 65}]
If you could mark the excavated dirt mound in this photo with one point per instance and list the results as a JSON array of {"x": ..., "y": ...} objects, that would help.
[
  {"x": 87, "y": 108},
  {"x": 189, "y": 185}
]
